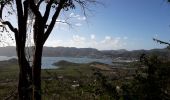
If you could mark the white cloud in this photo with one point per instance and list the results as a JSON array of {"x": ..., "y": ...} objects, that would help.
[
  {"x": 76, "y": 41},
  {"x": 71, "y": 14},
  {"x": 107, "y": 37},
  {"x": 74, "y": 15},
  {"x": 61, "y": 25},
  {"x": 77, "y": 38},
  {"x": 92, "y": 36},
  {"x": 106, "y": 43},
  {"x": 78, "y": 24},
  {"x": 77, "y": 16},
  {"x": 54, "y": 43},
  {"x": 111, "y": 43},
  {"x": 81, "y": 18}
]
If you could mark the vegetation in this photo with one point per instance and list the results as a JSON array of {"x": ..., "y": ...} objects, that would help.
[
  {"x": 151, "y": 80},
  {"x": 144, "y": 80},
  {"x": 77, "y": 81},
  {"x": 30, "y": 20}
]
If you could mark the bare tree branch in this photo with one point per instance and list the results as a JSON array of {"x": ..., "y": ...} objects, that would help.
[
  {"x": 4, "y": 28},
  {"x": 161, "y": 42},
  {"x": 2, "y": 5},
  {"x": 47, "y": 11},
  {"x": 84, "y": 4},
  {"x": 10, "y": 26},
  {"x": 63, "y": 22},
  {"x": 53, "y": 21}
]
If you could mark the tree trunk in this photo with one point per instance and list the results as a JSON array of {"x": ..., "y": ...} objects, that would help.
[
  {"x": 36, "y": 68},
  {"x": 24, "y": 85},
  {"x": 25, "y": 77},
  {"x": 36, "y": 71}
]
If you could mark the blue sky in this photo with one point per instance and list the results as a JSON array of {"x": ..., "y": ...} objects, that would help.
[{"x": 119, "y": 24}]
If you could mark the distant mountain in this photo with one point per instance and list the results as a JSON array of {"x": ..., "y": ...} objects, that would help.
[
  {"x": 8, "y": 51},
  {"x": 136, "y": 53},
  {"x": 72, "y": 52},
  {"x": 58, "y": 52},
  {"x": 89, "y": 52}
]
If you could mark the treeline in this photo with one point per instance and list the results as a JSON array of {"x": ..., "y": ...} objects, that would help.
[{"x": 150, "y": 82}]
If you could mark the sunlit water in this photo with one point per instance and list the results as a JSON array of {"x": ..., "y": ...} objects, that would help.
[{"x": 47, "y": 62}]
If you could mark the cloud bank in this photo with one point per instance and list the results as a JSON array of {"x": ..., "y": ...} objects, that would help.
[{"x": 106, "y": 43}]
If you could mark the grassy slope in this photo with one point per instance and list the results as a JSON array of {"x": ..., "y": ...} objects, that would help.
[
  {"x": 59, "y": 83},
  {"x": 8, "y": 79}
]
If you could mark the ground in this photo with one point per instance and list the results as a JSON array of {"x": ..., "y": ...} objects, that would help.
[{"x": 69, "y": 82}]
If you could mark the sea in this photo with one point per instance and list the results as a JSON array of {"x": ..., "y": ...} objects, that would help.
[{"x": 47, "y": 62}]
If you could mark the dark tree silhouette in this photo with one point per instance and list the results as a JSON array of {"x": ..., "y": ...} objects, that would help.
[
  {"x": 161, "y": 42},
  {"x": 29, "y": 86}
]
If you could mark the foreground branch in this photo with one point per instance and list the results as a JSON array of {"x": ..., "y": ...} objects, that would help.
[
  {"x": 10, "y": 26},
  {"x": 161, "y": 42},
  {"x": 54, "y": 18}
]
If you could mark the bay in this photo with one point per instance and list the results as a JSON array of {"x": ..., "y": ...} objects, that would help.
[{"x": 47, "y": 62}]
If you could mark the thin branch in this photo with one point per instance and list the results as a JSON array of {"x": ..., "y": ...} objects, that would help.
[
  {"x": 3, "y": 3},
  {"x": 15, "y": 30},
  {"x": 4, "y": 28},
  {"x": 53, "y": 21},
  {"x": 47, "y": 11},
  {"x": 65, "y": 22},
  {"x": 84, "y": 4},
  {"x": 10, "y": 26},
  {"x": 161, "y": 42}
]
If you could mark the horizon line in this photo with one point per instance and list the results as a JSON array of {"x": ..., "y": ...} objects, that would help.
[{"x": 90, "y": 48}]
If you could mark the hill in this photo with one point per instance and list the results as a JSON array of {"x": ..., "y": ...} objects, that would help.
[
  {"x": 72, "y": 52},
  {"x": 89, "y": 52},
  {"x": 163, "y": 53}
]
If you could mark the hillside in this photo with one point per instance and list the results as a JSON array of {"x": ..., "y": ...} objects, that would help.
[
  {"x": 72, "y": 52},
  {"x": 89, "y": 52},
  {"x": 163, "y": 53}
]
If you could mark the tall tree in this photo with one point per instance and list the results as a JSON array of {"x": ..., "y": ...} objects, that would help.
[{"x": 29, "y": 86}]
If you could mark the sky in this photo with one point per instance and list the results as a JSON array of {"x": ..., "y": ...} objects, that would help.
[{"x": 116, "y": 24}]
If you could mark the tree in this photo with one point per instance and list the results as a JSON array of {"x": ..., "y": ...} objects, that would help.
[
  {"x": 29, "y": 85},
  {"x": 151, "y": 80}
]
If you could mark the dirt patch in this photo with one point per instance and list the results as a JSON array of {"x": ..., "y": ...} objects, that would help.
[{"x": 101, "y": 67}]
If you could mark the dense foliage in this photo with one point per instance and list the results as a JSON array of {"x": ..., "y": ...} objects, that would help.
[{"x": 151, "y": 82}]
